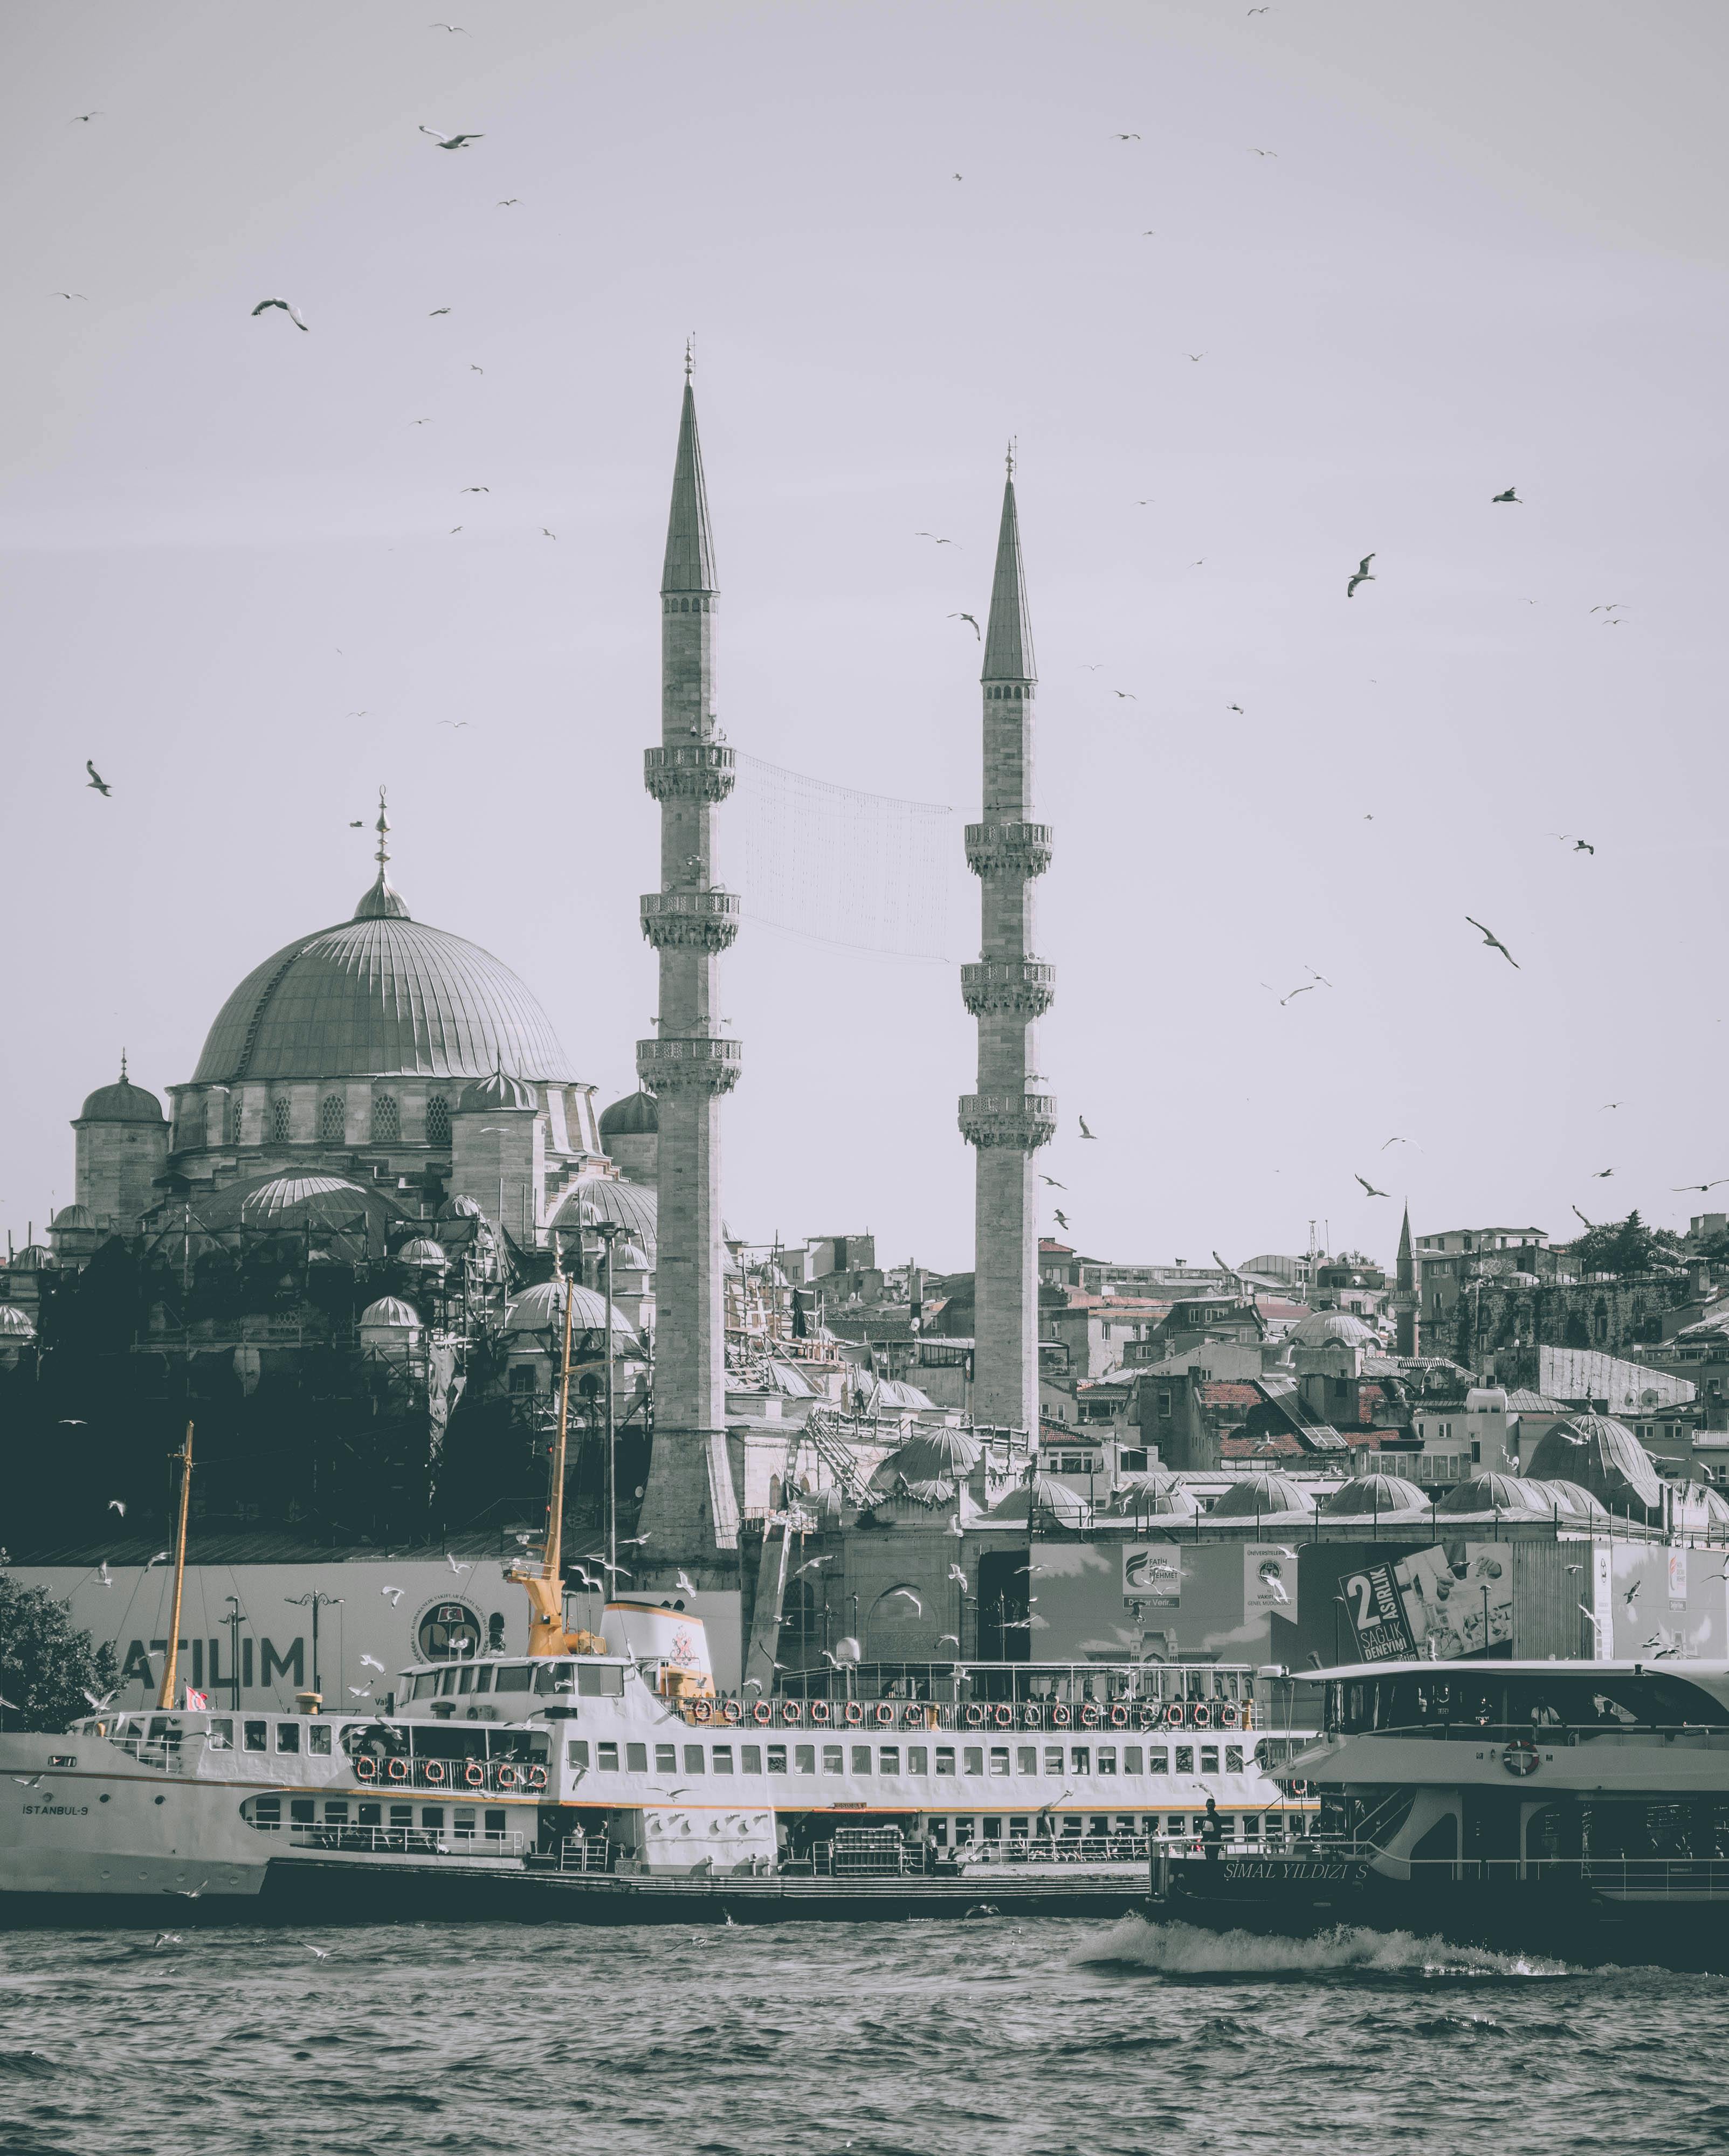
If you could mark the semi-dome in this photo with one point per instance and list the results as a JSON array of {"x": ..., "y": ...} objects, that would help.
[
  {"x": 592, "y": 1198},
  {"x": 488, "y": 1096},
  {"x": 281, "y": 1202},
  {"x": 1371, "y": 1496},
  {"x": 1255, "y": 1496},
  {"x": 541, "y": 1309},
  {"x": 392, "y": 1310},
  {"x": 934, "y": 1456},
  {"x": 1571, "y": 1499},
  {"x": 379, "y": 996},
  {"x": 422, "y": 1250},
  {"x": 122, "y": 1103},
  {"x": 461, "y": 1209},
  {"x": 1041, "y": 1493},
  {"x": 1322, "y": 1326},
  {"x": 1498, "y": 1496},
  {"x": 637, "y": 1115},
  {"x": 15, "y": 1324}
]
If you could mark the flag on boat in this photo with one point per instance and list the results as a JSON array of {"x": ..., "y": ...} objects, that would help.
[{"x": 197, "y": 1703}]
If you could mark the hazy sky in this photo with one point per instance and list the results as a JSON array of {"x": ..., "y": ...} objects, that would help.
[{"x": 1488, "y": 251}]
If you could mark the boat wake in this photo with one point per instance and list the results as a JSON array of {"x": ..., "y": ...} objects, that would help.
[{"x": 1189, "y": 1950}]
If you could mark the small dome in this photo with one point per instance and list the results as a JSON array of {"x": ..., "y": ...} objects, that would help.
[
  {"x": 1574, "y": 1499},
  {"x": 1367, "y": 1496},
  {"x": 1603, "y": 1457},
  {"x": 1501, "y": 1494},
  {"x": 826, "y": 1506},
  {"x": 392, "y": 1310},
  {"x": 541, "y": 1309},
  {"x": 628, "y": 1258},
  {"x": 33, "y": 1259},
  {"x": 936, "y": 1455},
  {"x": 637, "y": 1115},
  {"x": 1041, "y": 1493},
  {"x": 15, "y": 1324},
  {"x": 1322, "y": 1326},
  {"x": 1175, "y": 1503},
  {"x": 488, "y": 1096},
  {"x": 592, "y": 1198},
  {"x": 123, "y": 1102},
  {"x": 1254, "y": 1497},
  {"x": 70, "y": 1219},
  {"x": 422, "y": 1250},
  {"x": 461, "y": 1209}
]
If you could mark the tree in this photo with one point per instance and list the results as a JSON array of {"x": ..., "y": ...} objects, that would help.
[
  {"x": 1623, "y": 1246},
  {"x": 47, "y": 1666}
]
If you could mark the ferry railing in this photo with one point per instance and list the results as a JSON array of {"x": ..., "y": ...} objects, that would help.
[
  {"x": 590, "y": 1853},
  {"x": 1557, "y": 1737},
  {"x": 1640, "y": 1878},
  {"x": 393, "y": 1840}
]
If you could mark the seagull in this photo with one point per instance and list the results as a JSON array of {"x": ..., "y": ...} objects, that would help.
[
  {"x": 107, "y": 1579},
  {"x": 1578, "y": 1216},
  {"x": 1508, "y": 497},
  {"x": 1254, "y": 153},
  {"x": 188, "y": 1893},
  {"x": 101, "y": 1705},
  {"x": 989, "y": 1908},
  {"x": 907, "y": 1593},
  {"x": 360, "y": 1692},
  {"x": 1238, "y": 708},
  {"x": 1197, "y": 357},
  {"x": 161, "y": 1557},
  {"x": 287, "y": 308},
  {"x": 473, "y": 369},
  {"x": 811, "y": 1564},
  {"x": 1370, "y": 1188},
  {"x": 1700, "y": 1186},
  {"x": 395, "y": 1595},
  {"x": 954, "y": 1526},
  {"x": 1393, "y": 1142},
  {"x": 372, "y": 1662},
  {"x": 932, "y": 534},
  {"x": 1601, "y": 1174},
  {"x": 69, "y": 295},
  {"x": 831, "y": 1660},
  {"x": 457, "y": 723},
  {"x": 318, "y": 1954},
  {"x": 606, "y": 1566},
  {"x": 967, "y": 616},
  {"x": 509, "y": 202},
  {"x": 685, "y": 1584},
  {"x": 71, "y": 1422},
  {"x": 77, "y": 116},
  {"x": 451, "y": 142},
  {"x": 117, "y": 1505},
  {"x": 1615, "y": 609},
  {"x": 545, "y": 534},
  {"x": 1306, "y": 989},
  {"x": 1052, "y": 1180},
  {"x": 474, "y": 490},
  {"x": 1362, "y": 577},
  {"x": 1631, "y": 1594},
  {"x": 948, "y": 1638},
  {"x": 27, "y": 1781},
  {"x": 459, "y": 1569},
  {"x": 1125, "y": 696},
  {"x": 1493, "y": 942},
  {"x": 1583, "y": 846},
  {"x": 1061, "y": 1218},
  {"x": 103, "y": 788},
  {"x": 1125, "y": 138},
  {"x": 636, "y": 1541},
  {"x": 1086, "y": 1133},
  {"x": 455, "y": 30},
  {"x": 166, "y": 1939},
  {"x": 437, "y": 312},
  {"x": 955, "y": 1572}
]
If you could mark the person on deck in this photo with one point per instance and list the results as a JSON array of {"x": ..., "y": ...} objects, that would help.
[{"x": 1212, "y": 1831}]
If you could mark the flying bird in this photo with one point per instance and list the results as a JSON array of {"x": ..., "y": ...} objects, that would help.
[
  {"x": 1493, "y": 942},
  {"x": 372, "y": 1662},
  {"x": 287, "y": 308},
  {"x": 931, "y": 535},
  {"x": 958, "y": 1575},
  {"x": 907, "y": 1594},
  {"x": 319, "y": 1953},
  {"x": 948, "y": 1638},
  {"x": 459, "y": 1569},
  {"x": 1580, "y": 1217},
  {"x": 394, "y": 1594},
  {"x": 1125, "y": 138},
  {"x": 954, "y": 1526},
  {"x": 1197, "y": 357},
  {"x": 166, "y": 1939},
  {"x": 451, "y": 142},
  {"x": 102, "y": 1705},
  {"x": 811, "y": 1564},
  {"x": 509, "y": 202},
  {"x": 545, "y": 534},
  {"x": 161, "y": 1557},
  {"x": 27, "y": 1781},
  {"x": 1307, "y": 987},
  {"x": 1601, "y": 1174},
  {"x": 1238, "y": 708},
  {"x": 1061, "y": 1218},
  {"x": 474, "y": 490},
  {"x": 117, "y": 1505},
  {"x": 188, "y": 1893},
  {"x": 1125, "y": 696},
  {"x": 1254, "y": 153},
  {"x": 1085, "y": 1133},
  {"x": 1583, "y": 846},
  {"x": 967, "y": 616},
  {"x": 1370, "y": 1188},
  {"x": 69, "y": 295},
  {"x": 1508, "y": 497},
  {"x": 1631, "y": 1594},
  {"x": 360, "y": 1692},
  {"x": 77, "y": 116},
  {"x": 1700, "y": 1186},
  {"x": 96, "y": 778},
  {"x": 106, "y": 1576},
  {"x": 685, "y": 1584},
  {"x": 455, "y": 30},
  {"x": 1362, "y": 577},
  {"x": 1393, "y": 1142}
]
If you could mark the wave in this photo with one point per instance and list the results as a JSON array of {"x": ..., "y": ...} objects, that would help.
[{"x": 1189, "y": 1950}]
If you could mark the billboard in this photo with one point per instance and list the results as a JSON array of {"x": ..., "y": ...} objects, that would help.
[
  {"x": 1441, "y": 1601},
  {"x": 1152, "y": 1574},
  {"x": 1269, "y": 1579}
]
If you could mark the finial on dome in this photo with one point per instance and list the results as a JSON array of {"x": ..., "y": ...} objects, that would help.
[
  {"x": 123, "y": 1067},
  {"x": 381, "y": 902}
]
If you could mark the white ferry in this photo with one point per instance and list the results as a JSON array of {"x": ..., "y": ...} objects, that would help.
[{"x": 1576, "y": 1803}]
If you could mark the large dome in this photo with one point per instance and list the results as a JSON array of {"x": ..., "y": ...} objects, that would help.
[{"x": 380, "y": 997}]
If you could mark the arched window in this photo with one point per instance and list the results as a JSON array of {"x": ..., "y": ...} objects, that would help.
[
  {"x": 279, "y": 1121},
  {"x": 438, "y": 1121},
  {"x": 332, "y": 1119},
  {"x": 386, "y": 1119}
]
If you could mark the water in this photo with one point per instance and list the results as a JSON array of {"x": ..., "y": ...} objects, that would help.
[{"x": 938, "y": 2038}]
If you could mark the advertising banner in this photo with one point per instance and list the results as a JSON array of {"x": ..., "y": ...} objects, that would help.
[
  {"x": 1456, "y": 1597},
  {"x": 1377, "y": 1615},
  {"x": 1152, "y": 1574},
  {"x": 1269, "y": 1579}
]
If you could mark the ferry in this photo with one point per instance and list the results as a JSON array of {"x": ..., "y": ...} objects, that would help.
[{"x": 1581, "y": 1805}]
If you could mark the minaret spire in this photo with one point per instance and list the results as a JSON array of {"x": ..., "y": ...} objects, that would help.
[
  {"x": 690, "y": 552},
  {"x": 381, "y": 902},
  {"x": 1007, "y": 991},
  {"x": 1404, "y": 1298}
]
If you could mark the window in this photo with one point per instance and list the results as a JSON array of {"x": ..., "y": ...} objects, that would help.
[
  {"x": 665, "y": 1759},
  {"x": 993, "y": 1827},
  {"x": 387, "y": 1120},
  {"x": 1164, "y": 1404},
  {"x": 636, "y": 1758},
  {"x": 834, "y": 1758},
  {"x": 1027, "y": 1759},
  {"x": 368, "y": 1814},
  {"x": 1000, "y": 1759},
  {"x": 861, "y": 1759},
  {"x": 750, "y": 1759},
  {"x": 577, "y": 1753},
  {"x": 596, "y": 1682},
  {"x": 279, "y": 1121},
  {"x": 300, "y": 1809},
  {"x": 514, "y": 1676},
  {"x": 318, "y": 1737},
  {"x": 964, "y": 1832},
  {"x": 777, "y": 1758},
  {"x": 1107, "y": 1758},
  {"x": 336, "y": 1808},
  {"x": 693, "y": 1758},
  {"x": 551, "y": 1677},
  {"x": 1131, "y": 1759},
  {"x": 1081, "y": 1759},
  {"x": 447, "y": 1682},
  {"x": 267, "y": 1811},
  {"x": 973, "y": 1760},
  {"x": 889, "y": 1761},
  {"x": 1209, "y": 1758},
  {"x": 332, "y": 1119},
  {"x": 945, "y": 1759},
  {"x": 401, "y": 1815},
  {"x": 608, "y": 1761},
  {"x": 465, "y": 1681},
  {"x": 722, "y": 1758},
  {"x": 1185, "y": 1758},
  {"x": 483, "y": 1677},
  {"x": 522, "y": 1378},
  {"x": 1233, "y": 1758},
  {"x": 288, "y": 1736},
  {"x": 1251, "y": 1827},
  {"x": 918, "y": 1759},
  {"x": 494, "y": 1822},
  {"x": 804, "y": 1758},
  {"x": 433, "y": 1816},
  {"x": 462, "y": 1825},
  {"x": 438, "y": 1121},
  {"x": 1053, "y": 1759},
  {"x": 222, "y": 1736}
]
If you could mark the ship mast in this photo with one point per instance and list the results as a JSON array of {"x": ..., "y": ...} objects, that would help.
[
  {"x": 546, "y": 1588},
  {"x": 171, "y": 1668}
]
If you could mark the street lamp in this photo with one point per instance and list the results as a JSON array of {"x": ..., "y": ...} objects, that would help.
[
  {"x": 235, "y": 1619},
  {"x": 315, "y": 1602}
]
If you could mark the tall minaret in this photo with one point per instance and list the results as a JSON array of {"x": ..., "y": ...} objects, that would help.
[
  {"x": 1007, "y": 1119},
  {"x": 1404, "y": 1296},
  {"x": 689, "y": 1512}
]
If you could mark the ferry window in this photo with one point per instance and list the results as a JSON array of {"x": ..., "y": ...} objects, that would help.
[
  {"x": 1053, "y": 1759},
  {"x": 425, "y": 1684},
  {"x": 1252, "y": 1828},
  {"x": 222, "y": 1736},
  {"x": 1107, "y": 1758},
  {"x": 1071, "y": 1824},
  {"x": 1178, "y": 1823},
  {"x": 777, "y": 1758},
  {"x": 1018, "y": 1827},
  {"x": 513, "y": 1677},
  {"x": 964, "y": 1832},
  {"x": 256, "y": 1733},
  {"x": 993, "y": 1827},
  {"x": 595, "y": 1681},
  {"x": 448, "y": 1683},
  {"x": 693, "y": 1758},
  {"x": 665, "y": 1759},
  {"x": 401, "y": 1815},
  {"x": 940, "y": 1834},
  {"x": 483, "y": 1677},
  {"x": 918, "y": 1759},
  {"x": 1158, "y": 1760},
  {"x": 750, "y": 1759},
  {"x": 368, "y": 1814},
  {"x": 334, "y": 1808},
  {"x": 889, "y": 1761},
  {"x": 1131, "y": 1758},
  {"x": 1209, "y": 1758},
  {"x": 945, "y": 1759},
  {"x": 267, "y": 1811},
  {"x": 1229, "y": 1824},
  {"x": 433, "y": 1816},
  {"x": 973, "y": 1760},
  {"x": 1027, "y": 1759},
  {"x": 1080, "y": 1759},
  {"x": 462, "y": 1824},
  {"x": 300, "y": 1809},
  {"x": 636, "y": 1758},
  {"x": 577, "y": 1753},
  {"x": 861, "y": 1759},
  {"x": 318, "y": 1737},
  {"x": 834, "y": 1758},
  {"x": 804, "y": 1758},
  {"x": 722, "y": 1758},
  {"x": 495, "y": 1822},
  {"x": 288, "y": 1736},
  {"x": 464, "y": 1678},
  {"x": 607, "y": 1760},
  {"x": 554, "y": 1678},
  {"x": 1185, "y": 1758},
  {"x": 1233, "y": 1758},
  {"x": 1000, "y": 1759}
]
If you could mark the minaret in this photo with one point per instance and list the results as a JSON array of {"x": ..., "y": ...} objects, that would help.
[
  {"x": 689, "y": 1512},
  {"x": 1404, "y": 1298},
  {"x": 1008, "y": 1119}
]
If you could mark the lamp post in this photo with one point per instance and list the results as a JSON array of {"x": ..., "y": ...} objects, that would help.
[
  {"x": 315, "y": 1601},
  {"x": 235, "y": 1619}
]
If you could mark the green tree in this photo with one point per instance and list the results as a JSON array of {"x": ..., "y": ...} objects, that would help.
[
  {"x": 1624, "y": 1246},
  {"x": 46, "y": 1665}
]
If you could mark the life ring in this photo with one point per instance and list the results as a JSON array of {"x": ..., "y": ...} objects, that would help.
[
  {"x": 397, "y": 1770},
  {"x": 1120, "y": 1716},
  {"x": 474, "y": 1774},
  {"x": 506, "y": 1776},
  {"x": 1089, "y": 1715},
  {"x": 792, "y": 1710},
  {"x": 1174, "y": 1714},
  {"x": 820, "y": 1710},
  {"x": 914, "y": 1718},
  {"x": 883, "y": 1713},
  {"x": 1061, "y": 1716},
  {"x": 537, "y": 1778},
  {"x": 731, "y": 1712},
  {"x": 1004, "y": 1716},
  {"x": 1203, "y": 1715},
  {"x": 703, "y": 1711},
  {"x": 1228, "y": 1718},
  {"x": 366, "y": 1768},
  {"x": 974, "y": 1715},
  {"x": 760, "y": 1711},
  {"x": 1149, "y": 1717},
  {"x": 1032, "y": 1717},
  {"x": 852, "y": 1714},
  {"x": 433, "y": 1770}
]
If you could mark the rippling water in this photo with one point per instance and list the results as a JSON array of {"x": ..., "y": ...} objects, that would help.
[{"x": 939, "y": 2038}]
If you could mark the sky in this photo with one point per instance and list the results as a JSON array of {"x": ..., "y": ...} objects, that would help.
[{"x": 1356, "y": 269}]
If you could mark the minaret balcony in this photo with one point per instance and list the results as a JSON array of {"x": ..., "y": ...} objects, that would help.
[
  {"x": 691, "y": 920},
  {"x": 1026, "y": 987},
  {"x": 1021, "y": 1121},
  {"x": 694, "y": 771},
  {"x": 700, "y": 1063},
  {"x": 1014, "y": 850}
]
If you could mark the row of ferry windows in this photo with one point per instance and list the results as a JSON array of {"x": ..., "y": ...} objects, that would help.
[
  {"x": 304, "y": 1811},
  {"x": 980, "y": 1759},
  {"x": 1073, "y": 1827},
  {"x": 586, "y": 1680}
]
